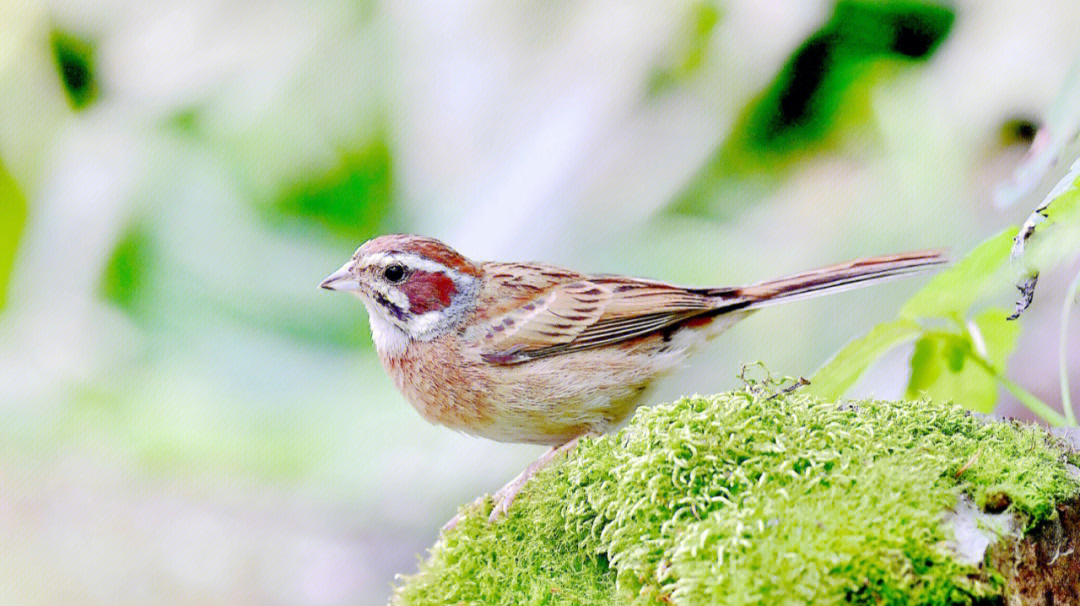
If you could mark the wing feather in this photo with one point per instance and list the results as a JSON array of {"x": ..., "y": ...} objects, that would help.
[{"x": 588, "y": 313}]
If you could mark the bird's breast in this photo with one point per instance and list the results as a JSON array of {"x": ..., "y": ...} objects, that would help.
[{"x": 440, "y": 385}]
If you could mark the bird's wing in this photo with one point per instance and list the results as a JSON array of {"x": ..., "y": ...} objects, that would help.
[{"x": 588, "y": 313}]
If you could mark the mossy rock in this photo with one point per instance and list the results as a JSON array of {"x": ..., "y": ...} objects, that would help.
[{"x": 752, "y": 497}]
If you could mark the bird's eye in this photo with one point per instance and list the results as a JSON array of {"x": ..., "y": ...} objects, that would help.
[{"x": 394, "y": 273}]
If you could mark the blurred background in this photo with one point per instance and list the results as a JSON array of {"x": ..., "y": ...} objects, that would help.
[{"x": 186, "y": 419}]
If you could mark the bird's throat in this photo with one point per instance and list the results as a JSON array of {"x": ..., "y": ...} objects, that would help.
[{"x": 390, "y": 340}]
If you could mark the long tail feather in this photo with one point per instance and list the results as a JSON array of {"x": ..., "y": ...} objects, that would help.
[{"x": 837, "y": 278}]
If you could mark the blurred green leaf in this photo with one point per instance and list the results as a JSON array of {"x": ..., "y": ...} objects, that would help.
[
  {"x": 186, "y": 120},
  {"x": 838, "y": 374},
  {"x": 806, "y": 98},
  {"x": 352, "y": 200},
  {"x": 1065, "y": 208},
  {"x": 822, "y": 91},
  {"x": 75, "y": 61},
  {"x": 126, "y": 271},
  {"x": 689, "y": 54},
  {"x": 964, "y": 368},
  {"x": 12, "y": 221},
  {"x": 951, "y": 293}
]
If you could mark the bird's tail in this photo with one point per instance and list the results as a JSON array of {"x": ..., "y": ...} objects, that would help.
[{"x": 835, "y": 278}]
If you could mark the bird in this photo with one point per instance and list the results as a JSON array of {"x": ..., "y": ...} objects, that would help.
[{"x": 540, "y": 354}]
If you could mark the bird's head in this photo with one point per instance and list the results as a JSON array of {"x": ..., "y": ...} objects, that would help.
[{"x": 413, "y": 287}]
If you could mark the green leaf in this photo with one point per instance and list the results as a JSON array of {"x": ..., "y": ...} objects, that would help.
[
  {"x": 964, "y": 368},
  {"x": 692, "y": 45},
  {"x": 1056, "y": 239},
  {"x": 942, "y": 368},
  {"x": 998, "y": 334},
  {"x": 12, "y": 221},
  {"x": 1057, "y": 221},
  {"x": 955, "y": 352},
  {"x": 75, "y": 61},
  {"x": 352, "y": 200},
  {"x": 126, "y": 271},
  {"x": 926, "y": 365},
  {"x": 821, "y": 94},
  {"x": 952, "y": 292},
  {"x": 838, "y": 374}
]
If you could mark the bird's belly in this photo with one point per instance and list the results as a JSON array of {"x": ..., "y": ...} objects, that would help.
[
  {"x": 556, "y": 421},
  {"x": 544, "y": 401},
  {"x": 548, "y": 401},
  {"x": 553, "y": 400}
]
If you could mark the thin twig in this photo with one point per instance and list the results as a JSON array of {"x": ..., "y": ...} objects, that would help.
[
  {"x": 790, "y": 388},
  {"x": 971, "y": 461}
]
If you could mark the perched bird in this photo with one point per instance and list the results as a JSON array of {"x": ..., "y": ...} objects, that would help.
[{"x": 529, "y": 352}]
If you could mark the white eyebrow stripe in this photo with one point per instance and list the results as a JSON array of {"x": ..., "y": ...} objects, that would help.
[{"x": 414, "y": 262}]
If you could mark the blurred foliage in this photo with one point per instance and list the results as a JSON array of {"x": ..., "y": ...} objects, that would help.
[
  {"x": 821, "y": 92},
  {"x": 960, "y": 354},
  {"x": 186, "y": 120},
  {"x": 1057, "y": 144},
  {"x": 74, "y": 58},
  {"x": 352, "y": 200},
  {"x": 960, "y": 351},
  {"x": 171, "y": 438},
  {"x": 937, "y": 317},
  {"x": 127, "y": 269},
  {"x": 12, "y": 221},
  {"x": 692, "y": 42},
  {"x": 846, "y": 366},
  {"x": 1051, "y": 232},
  {"x": 951, "y": 293},
  {"x": 1018, "y": 130}
]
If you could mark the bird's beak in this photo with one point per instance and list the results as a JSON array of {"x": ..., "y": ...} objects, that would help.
[{"x": 341, "y": 279}]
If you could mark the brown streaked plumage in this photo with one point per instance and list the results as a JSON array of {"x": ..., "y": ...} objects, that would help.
[{"x": 529, "y": 352}]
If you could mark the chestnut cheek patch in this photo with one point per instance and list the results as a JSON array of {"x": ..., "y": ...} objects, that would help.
[{"x": 428, "y": 291}]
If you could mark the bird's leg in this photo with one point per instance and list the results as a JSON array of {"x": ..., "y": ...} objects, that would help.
[{"x": 504, "y": 497}]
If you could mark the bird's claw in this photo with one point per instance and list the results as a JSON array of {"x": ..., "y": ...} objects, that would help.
[
  {"x": 504, "y": 497},
  {"x": 453, "y": 522}
]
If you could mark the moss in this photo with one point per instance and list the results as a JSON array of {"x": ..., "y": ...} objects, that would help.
[{"x": 749, "y": 498}]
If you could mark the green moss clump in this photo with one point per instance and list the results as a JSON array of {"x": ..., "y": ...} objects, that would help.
[{"x": 747, "y": 498}]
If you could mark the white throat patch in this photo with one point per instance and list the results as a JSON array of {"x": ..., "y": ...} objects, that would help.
[{"x": 390, "y": 340}]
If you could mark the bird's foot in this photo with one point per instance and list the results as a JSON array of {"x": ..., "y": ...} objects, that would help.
[
  {"x": 452, "y": 522},
  {"x": 504, "y": 497}
]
